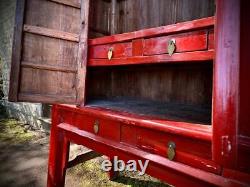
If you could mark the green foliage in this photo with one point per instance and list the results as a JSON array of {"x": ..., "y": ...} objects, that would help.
[
  {"x": 90, "y": 174},
  {"x": 11, "y": 131}
]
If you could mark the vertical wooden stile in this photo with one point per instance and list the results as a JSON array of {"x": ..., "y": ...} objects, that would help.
[
  {"x": 16, "y": 51},
  {"x": 82, "y": 53}
]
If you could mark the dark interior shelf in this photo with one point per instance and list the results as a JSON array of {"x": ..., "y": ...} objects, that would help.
[{"x": 160, "y": 110}]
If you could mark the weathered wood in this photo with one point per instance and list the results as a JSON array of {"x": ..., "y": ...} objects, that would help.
[
  {"x": 133, "y": 15},
  {"x": 99, "y": 17},
  {"x": 73, "y": 3},
  {"x": 187, "y": 83},
  {"x": 51, "y": 33},
  {"x": 47, "y": 67},
  {"x": 48, "y": 14},
  {"x": 50, "y": 51},
  {"x": 16, "y": 51},
  {"x": 48, "y": 56},
  {"x": 103, "y": 32},
  {"x": 113, "y": 17},
  {"x": 169, "y": 29},
  {"x": 46, "y": 82},
  {"x": 82, "y": 53},
  {"x": 31, "y": 97}
]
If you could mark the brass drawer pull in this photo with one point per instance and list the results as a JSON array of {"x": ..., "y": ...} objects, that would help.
[
  {"x": 171, "y": 47},
  {"x": 96, "y": 126},
  {"x": 171, "y": 150},
  {"x": 110, "y": 53}
]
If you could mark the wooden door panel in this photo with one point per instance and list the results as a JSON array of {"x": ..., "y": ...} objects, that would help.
[
  {"x": 53, "y": 15},
  {"x": 49, "y": 43},
  {"x": 49, "y": 51}
]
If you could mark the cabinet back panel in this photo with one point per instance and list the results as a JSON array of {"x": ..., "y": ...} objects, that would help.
[
  {"x": 132, "y": 15},
  {"x": 182, "y": 83}
]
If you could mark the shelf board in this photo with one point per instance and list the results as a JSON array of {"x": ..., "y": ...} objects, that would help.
[{"x": 197, "y": 56}]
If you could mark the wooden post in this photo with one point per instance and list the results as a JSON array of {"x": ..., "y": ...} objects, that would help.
[
  {"x": 82, "y": 53},
  {"x": 226, "y": 83},
  {"x": 58, "y": 154}
]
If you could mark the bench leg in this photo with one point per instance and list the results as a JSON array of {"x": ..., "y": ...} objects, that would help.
[{"x": 58, "y": 158}]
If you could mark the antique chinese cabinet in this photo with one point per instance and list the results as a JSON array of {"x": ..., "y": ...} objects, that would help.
[{"x": 159, "y": 80}]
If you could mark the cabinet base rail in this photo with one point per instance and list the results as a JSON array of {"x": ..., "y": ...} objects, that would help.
[{"x": 172, "y": 172}]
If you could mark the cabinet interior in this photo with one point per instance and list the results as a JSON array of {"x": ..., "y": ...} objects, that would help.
[
  {"x": 167, "y": 91},
  {"x": 178, "y": 91}
]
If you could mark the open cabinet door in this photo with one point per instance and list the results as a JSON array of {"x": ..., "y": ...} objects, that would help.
[{"x": 49, "y": 51}]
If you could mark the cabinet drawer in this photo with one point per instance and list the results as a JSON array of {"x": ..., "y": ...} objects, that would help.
[
  {"x": 185, "y": 42},
  {"x": 119, "y": 50},
  {"x": 101, "y": 127}
]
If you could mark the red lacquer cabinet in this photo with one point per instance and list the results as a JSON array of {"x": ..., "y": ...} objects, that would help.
[{"x": 164, "y": 81}]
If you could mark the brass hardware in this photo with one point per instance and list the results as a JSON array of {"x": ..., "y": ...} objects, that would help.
[
  {"x": 171, "y": 46},
  {"x": 171, "y": 150},
  {"x": 110, "y": 53},
  {"x": 96, "y": 126}
]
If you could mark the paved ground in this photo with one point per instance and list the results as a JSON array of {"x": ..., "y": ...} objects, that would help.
[
  {"x": 24, "y": 156},
  {"x": 23, "y": 165}
]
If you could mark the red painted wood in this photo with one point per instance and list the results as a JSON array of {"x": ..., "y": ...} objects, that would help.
[
  {"x": 119, "y": 50},
  {"x": 192, "y": 130},
  {"x": 173, "y": 172},
  {"x": 157, "y": 141},
  {"x": 107, "y": 128},
  {"x": 169, "y": 29},
  {"x": 198, "y": 154},
  {"x": 211, "y": 39},
  {"x": 188, "y": 151},
  {"x": 205, "y": 155},
  {"x": 137, "y": 47},
  {"x": 197, "y": 56},
  {"x": 58, "y": 153},
  {"x": 226, "y": 83},
  {"x": 191, "y": 41}
]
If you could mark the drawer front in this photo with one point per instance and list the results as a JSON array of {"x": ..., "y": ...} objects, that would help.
[
  {"x": 101, "y": 127},
  {"x": 118, "y": 50},
  {"x": 185, "y": 42},
  {"x": 187, "y": 151}
]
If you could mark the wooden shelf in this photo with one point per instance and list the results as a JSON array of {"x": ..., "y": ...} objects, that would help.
[{"x": 157, "y": 110}]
